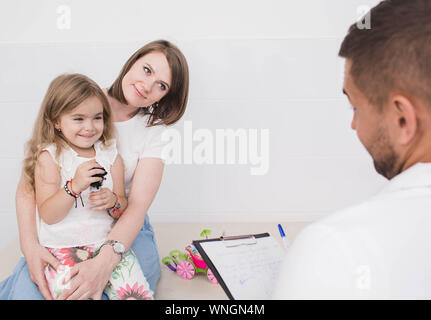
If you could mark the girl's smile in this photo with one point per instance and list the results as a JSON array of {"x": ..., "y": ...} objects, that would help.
[{"x": 87, "y": 136}]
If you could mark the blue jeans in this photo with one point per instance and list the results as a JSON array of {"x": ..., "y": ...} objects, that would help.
[{"x": 19, "y": 286}]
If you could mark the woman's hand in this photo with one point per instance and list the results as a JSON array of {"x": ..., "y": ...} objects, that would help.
[
  {"x": 89, "y": 278},
  {"x": 102, "y": 199},
  {"x": 37, "y": 258}
]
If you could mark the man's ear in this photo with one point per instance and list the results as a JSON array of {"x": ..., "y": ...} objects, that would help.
[{"x": 404, "y": 119}]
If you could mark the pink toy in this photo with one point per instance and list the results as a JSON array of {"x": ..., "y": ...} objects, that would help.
[
  {"x": 188, "y": 264},
  {"x": 185, "y": 270}
]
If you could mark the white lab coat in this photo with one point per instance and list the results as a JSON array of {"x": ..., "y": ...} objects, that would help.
[{"x": 380, "y": 249}]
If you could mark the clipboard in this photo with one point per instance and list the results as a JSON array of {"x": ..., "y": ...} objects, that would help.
[{"x": 245, "y": 266}]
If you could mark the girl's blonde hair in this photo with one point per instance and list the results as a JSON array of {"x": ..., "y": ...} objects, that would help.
[{"x": 64, "y": 94}]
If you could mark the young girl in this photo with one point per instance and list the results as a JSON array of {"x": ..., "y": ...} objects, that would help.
[{"x": 70, "y": 159}]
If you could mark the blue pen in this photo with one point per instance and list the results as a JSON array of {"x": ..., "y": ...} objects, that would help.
[{"x": 283, "y": 236}]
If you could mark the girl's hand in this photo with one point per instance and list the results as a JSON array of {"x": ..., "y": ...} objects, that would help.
[
  {"x": 37, "y": 258},
  {"x": 102, "y": 199},
  {"x": 83, "y": 175}
]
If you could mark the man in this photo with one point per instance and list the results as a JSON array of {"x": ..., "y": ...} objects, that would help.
[{"x": 380, "y": 249}]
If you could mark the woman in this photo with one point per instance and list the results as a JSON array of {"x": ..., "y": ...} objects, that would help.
[{"x": 150, "y": 93}]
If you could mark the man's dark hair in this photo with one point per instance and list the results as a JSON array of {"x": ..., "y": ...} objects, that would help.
[{"x": 394, "y": 55}]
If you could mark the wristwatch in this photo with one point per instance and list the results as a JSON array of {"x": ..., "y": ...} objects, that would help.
[{"x": 117, "y": 246}]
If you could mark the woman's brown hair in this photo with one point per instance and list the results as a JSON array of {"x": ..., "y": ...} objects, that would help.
[
  {"x": 172, "y": 106},
  {"x": 64, "y": 94}
]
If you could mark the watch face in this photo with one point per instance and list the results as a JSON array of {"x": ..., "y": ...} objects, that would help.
[{"x": 118, "y": 247}]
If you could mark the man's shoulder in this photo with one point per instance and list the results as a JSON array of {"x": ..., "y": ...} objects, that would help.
[
  {"x": 349, "y": 216},
  {"x": 323, "y": 257},
  {"x": 344, "y": 227}
]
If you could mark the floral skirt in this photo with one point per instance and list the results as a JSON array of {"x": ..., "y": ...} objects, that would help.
[{"x": 127, "y": 281}]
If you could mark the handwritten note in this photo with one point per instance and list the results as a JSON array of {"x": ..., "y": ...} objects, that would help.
[{"x": 249, "y": 271}]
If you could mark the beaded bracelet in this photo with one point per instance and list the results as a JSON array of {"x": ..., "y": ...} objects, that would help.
[
  {"x": 73, "y": 194},
  {"x": 115, "y": 211}
]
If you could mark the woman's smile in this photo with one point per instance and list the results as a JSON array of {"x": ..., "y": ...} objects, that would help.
[{"x": 139, "y": 92}]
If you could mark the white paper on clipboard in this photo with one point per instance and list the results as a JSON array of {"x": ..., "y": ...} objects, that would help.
[{"x": 249, "y": 271}]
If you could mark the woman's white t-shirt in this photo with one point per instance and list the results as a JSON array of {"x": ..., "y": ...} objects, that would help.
[{"x": 135, "y": 141}]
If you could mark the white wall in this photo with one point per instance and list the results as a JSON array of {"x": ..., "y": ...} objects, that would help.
[{"x": 254, "y": 65}]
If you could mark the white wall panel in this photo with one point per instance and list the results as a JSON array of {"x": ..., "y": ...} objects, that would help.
[
  {"x": 254, "y": 65},
  {"x": 111, "y": 20}
]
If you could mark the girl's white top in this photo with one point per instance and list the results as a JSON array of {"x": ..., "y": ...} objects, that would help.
[
  {"x": 134, "y": 140},
  {"x": 82, "y": 225}
]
